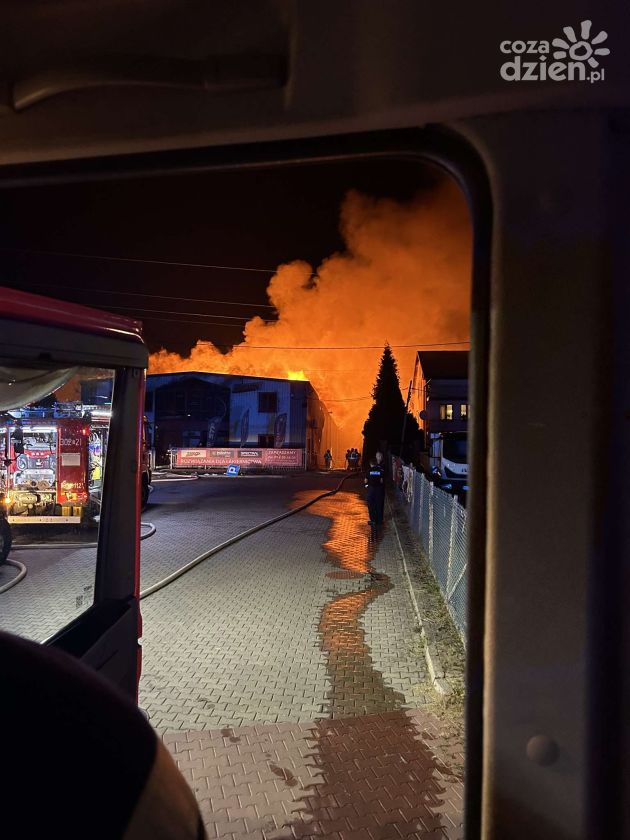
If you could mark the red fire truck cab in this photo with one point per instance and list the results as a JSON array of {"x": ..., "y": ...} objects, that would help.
[{"x": 60, "y": 458}]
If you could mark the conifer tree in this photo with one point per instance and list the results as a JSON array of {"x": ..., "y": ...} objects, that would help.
[{"x": 383, "y": 427}]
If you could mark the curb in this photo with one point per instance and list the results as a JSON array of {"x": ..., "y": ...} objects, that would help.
[{"x": 434, "y": 666}]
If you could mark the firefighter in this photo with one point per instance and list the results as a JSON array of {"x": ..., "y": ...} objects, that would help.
[
  {"x": 328, "y": 458},
  {"x": 375, "y": 484},
  {"x": 380, "y": 462}
]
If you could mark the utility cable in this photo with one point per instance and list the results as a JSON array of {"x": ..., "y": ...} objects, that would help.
[
  {"x": 156, "y": 297},
  {"x": 336, "y": 347}
]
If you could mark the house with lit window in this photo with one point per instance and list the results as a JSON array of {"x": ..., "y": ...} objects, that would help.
[{"x": 440, "y": 392}]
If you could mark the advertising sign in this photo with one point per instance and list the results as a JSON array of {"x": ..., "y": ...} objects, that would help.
[
  {"x": 244, "y": 458},
  {"x": 283, "y": 457}
]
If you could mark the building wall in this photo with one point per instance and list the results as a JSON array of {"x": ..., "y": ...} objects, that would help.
[
  {"x": 246, "y": 403},
  {"x": 445, "y": 392},
  {"x": 186, "y": 410},
  {"x": 430, "y": 393},
  {"x": 251, "y": 419},
  {"x": 321, "y": 433}
]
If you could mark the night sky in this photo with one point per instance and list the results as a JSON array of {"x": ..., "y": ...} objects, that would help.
[{"x": 245, "y": 219}]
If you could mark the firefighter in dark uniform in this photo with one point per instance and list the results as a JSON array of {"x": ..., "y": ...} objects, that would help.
[{"x": 375, "y": 484}]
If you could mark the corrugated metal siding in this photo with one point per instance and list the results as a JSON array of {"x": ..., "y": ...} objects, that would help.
[
  {"x": 299, "y": 412},
  {"x": 296, "y": 398}
]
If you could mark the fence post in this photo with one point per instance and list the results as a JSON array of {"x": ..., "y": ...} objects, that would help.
[{"x": 451, "y": 549}]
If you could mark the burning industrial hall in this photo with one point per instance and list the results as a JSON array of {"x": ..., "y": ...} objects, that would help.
[{"x": 201, "y": 420}]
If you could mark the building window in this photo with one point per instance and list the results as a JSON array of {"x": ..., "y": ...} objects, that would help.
[
  {"x": 267, "y": 402},
  {"x": 446, "y": 411},
  {"x": 463, "y": 411},
  {"x": 266, "y": 441}
]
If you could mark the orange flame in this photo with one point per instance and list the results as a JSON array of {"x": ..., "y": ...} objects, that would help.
[{"x": 404, "y": 278}]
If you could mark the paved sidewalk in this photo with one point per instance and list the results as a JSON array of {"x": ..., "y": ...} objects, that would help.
[
  {"x": 284, "y": 676},
  {"x": 369, "y": 777},
  {"x": 190, "y": 516}
]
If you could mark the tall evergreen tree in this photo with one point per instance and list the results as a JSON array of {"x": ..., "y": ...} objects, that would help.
[{"x": 383, "y": 427}]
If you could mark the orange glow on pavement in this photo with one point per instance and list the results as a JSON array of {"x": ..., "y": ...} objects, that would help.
[{"x": 347, "y": 538}]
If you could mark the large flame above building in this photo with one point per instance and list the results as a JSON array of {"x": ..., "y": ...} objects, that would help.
[{"x": 403, "y": 278}]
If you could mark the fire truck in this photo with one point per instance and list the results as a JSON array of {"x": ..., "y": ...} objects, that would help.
[
  {"x": 50, "y": 451},
  {"x": 53, "y": 462}
]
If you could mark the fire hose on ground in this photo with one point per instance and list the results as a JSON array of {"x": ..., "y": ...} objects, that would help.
[
  {"x": 21, "y": 574},
  {"x": 156, "y": 587},
  {"x": 43, "y": 546},
  {"x": 151, "y": 590}
]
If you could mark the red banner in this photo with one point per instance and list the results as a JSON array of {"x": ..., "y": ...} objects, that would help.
[{"x": 244, "y": 458}]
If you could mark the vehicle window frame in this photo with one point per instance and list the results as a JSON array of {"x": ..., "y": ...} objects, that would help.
[{"x": 456, "y": 156}]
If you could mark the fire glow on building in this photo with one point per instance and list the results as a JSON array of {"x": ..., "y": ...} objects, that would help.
[{"x": 403, "y": 278}]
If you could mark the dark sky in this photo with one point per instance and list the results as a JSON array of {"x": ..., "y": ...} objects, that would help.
[{"x": 248, "y": 219}]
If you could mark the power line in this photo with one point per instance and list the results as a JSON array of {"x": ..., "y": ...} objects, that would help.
[
  {"x": 138, "y": 260},
  {"x": 196, "y": 314},
  {"x": 345, "y": 399},
  {"x": 345, "y": 347},
  {"x": 197, "y": 324},
  {"x": 157, "y": 297}
]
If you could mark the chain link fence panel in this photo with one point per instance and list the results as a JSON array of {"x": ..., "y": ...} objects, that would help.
[{"x": 440, "y": 522}]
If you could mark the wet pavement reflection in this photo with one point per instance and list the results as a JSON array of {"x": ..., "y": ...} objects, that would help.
[
  {"x": 378, "y": 770},
  {"x": 356, "y": 686},
  {"x": 372, "y": 767}
]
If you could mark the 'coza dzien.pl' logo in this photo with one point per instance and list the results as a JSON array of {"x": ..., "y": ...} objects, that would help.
[{"x": 574, "y": 58}]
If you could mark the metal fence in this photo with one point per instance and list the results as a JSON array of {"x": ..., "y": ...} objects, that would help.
[{"x": 440, "y": 522}]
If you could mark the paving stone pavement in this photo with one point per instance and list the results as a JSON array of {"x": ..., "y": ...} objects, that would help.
[
  {"x": 190, "y": 517},
  {"x": 282, "y": 676},
  {"x": 283, "y": 673},
  {"x": 269, "y": 629},
  {"x": 373, "y": 776},
  {"x": 58, "y": 587}
]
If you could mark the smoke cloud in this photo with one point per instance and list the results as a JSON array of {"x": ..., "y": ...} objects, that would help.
[{"x": 404, "y": 278}]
